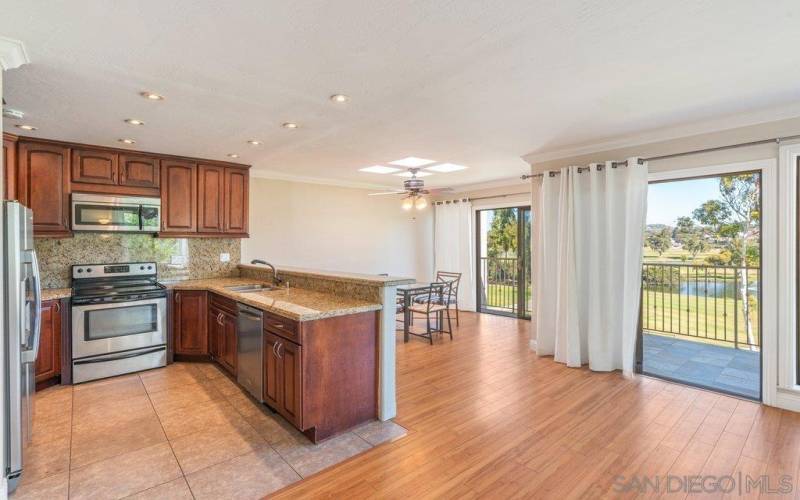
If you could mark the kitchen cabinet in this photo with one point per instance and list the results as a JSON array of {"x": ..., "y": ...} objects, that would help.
[
  {"x": 222, "y": 338},
  {"x": 43, "y": 185},
  {"x": 283, "y": 374},
  {"x": 237, "y": 189},
  {"x": 178, "y": 197},
  {"x": 9, "y": 167},
  {"x": 211, "y": 198},
  {"x": 189, "y": 322},
  {"x": 94, "y": 166},
  {"x": 139, "y": 171},
  {"x": 48, "y": 360}
]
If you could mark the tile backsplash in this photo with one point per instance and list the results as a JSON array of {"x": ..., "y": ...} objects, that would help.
[{"x": 177, "y": 258}]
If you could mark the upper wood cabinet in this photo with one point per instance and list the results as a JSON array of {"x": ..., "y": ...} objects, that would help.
[
  {"x": 43, "y": 185},
  {"x": 211, "y": 199},
  {"x": 139, "y": 171},
  {"x": 198, "y": 198},
  {"x": 178, "y": 197},
  {"x": 237, "y": 189},
  {"x": 9, "y": 167},
  {"x": 94, "y": 166}
]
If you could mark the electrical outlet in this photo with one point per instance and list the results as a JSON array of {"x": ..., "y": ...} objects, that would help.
[{"x": 224, "y": 257}]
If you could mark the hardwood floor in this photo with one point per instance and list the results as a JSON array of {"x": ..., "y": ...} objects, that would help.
[{"x": 488, "y": 418}]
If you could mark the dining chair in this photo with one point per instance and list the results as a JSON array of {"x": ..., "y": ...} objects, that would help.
[
  {"x": 432, "y": 309},
  {"x": 446, "y": 299}
]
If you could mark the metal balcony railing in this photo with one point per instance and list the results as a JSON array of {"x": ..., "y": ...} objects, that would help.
[
  {"x": 502, "y": 281},
  {"x": 719, "y": 304}
]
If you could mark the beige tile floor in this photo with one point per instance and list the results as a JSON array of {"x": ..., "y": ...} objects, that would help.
[{"x": 184, "y": 431}]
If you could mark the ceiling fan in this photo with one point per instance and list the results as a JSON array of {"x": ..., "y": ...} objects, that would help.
[{"x": 413, "y": 188}]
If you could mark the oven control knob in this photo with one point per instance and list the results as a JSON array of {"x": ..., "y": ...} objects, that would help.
[
  {"x": 149, "y": 267},
  {"x": 88, "y": 270},
  {"x": 141, "y": 267},
  {"x": 80, "y": 270}
]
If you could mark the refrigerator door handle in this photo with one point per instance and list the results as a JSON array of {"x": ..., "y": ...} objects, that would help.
[{"x": 29, "y": 355}]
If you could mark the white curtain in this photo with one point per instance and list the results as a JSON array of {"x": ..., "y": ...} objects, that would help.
[
  {"x": 588, "y": 262},
  {"x": 453, "y": 247}
]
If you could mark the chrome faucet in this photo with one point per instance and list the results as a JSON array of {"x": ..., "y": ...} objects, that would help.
[{"x": 275, "y": 278}]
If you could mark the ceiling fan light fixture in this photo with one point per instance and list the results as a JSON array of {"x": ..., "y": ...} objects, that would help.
[
  {"x": 421, "y": 203},
  {"x": 408, "y": 203}
]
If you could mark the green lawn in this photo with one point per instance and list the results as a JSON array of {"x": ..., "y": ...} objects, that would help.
[
  {"x": 504, "y": 296},
  {"x": 707, "y": 318},
  {"x": 677, "y": 256}
]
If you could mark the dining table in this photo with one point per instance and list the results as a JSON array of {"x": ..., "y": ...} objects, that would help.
[{"x": 408, "y": 292}]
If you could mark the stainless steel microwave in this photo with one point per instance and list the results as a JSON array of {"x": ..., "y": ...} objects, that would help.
[{"x": 133, "y": 214}]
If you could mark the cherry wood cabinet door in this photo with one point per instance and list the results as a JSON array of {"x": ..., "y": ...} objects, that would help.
[
  {"x": 43, "y": 185},
  {"x": 236, "y": 200},
  {"x": 211, "y": 199},
  {"x": 291, "y": 386},
  {"x": 139, "y": 171},
  {"x": 94, "y": 166},
  {"x": 48, "y": 361},
  {"x": 272, "y": 369},
  {"x": 10, "y": 167},
  {"x": 230, "y": 356},
  {"x": 215, "y": 345},
  {"x": 189, "y": 327},
  {"x": 178, "y": 197}
]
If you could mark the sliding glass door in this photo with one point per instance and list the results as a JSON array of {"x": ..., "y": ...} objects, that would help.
[{"x": 503, "y": 248}]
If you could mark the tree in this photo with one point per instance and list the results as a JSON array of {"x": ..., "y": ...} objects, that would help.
[
  {"x": 695, "y": 244},
  {"x": 502, "y": 236},
  {"x": 660, "y": 241},
  {"x": 734, "y": 219},
  {"x": 684, "y": 229}
]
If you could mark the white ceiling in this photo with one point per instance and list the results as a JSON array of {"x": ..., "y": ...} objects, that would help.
[{"x": 479, "y": 83}]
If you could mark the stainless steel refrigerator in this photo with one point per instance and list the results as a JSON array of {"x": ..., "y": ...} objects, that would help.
[{"x": 21, "y": 332}]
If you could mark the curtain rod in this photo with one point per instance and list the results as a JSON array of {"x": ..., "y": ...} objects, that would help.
[
  {"x": 776, "y": 140},
  {"x": 479, "y": 198}
]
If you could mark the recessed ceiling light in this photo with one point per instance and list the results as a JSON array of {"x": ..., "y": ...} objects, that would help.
[
  {"x": 232, "y": 155},
  {"x": 412, "y": 161},
  {"x": 127, "y": 141},
  {"x": 254, "y": 142},
  {"x": 446, "y": 167},
  {"x": 152, "y": 96},
  {"x": 409, "y": 174},
  {"x": 379, "y": 169},
  {"x": 291, "y": 125},
  {"x": 340, "y": 98},
  {"x": 27, "y": 127},
  {"x": 134, "y": 121}
]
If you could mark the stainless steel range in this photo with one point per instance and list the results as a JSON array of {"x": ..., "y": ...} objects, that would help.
[{"x": 119, "y": 320}]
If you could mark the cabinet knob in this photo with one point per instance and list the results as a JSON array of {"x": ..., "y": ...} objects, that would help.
[
  {"x": 58, "y": 306},
  {"x": 219, "y": 318},
  {"x": 178, "y": 297}
]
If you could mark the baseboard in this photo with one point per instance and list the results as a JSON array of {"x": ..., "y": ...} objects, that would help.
[{"x": 788, "y": 400}]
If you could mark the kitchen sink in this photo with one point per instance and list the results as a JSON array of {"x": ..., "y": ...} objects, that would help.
[{"x": 256, "y": 287}]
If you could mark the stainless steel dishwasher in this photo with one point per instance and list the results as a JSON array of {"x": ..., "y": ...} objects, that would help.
[{"x": 250, "y": 350}]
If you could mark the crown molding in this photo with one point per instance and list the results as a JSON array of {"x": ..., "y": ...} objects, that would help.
[
  {"x": 493, "y": 184},
  {"x": 671, "y": 133},
  {"x": 12, "y": 54}
]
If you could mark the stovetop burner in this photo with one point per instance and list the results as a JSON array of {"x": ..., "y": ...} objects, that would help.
[{"x": 115, "y": 282}]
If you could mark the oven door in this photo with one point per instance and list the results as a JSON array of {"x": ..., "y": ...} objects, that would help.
[
  {"x": 99, "y": 216},
  {"x": 121, "y": 326}
]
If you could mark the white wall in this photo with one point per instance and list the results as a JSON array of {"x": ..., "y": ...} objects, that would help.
[{"x": 338, "y": 229}]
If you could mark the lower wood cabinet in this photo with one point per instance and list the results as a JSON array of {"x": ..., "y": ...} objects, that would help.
[
  {"x": 189, "y": 322},
  {"x": 283, "y": 375},
  {"x": 48, "y": 360},
  {"x": 222, "y": 338}
]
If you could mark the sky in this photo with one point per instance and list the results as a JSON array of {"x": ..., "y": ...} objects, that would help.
[{"x": 666, "y": 201}]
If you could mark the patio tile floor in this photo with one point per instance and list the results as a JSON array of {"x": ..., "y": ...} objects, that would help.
[{"x": 727, "y": 369}]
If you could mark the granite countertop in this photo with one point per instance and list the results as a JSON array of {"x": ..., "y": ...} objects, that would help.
[
  {"x": 56, "y": 293},
  {"x": 359, "y": 278},
  {"x": 298, "y": 304}
]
